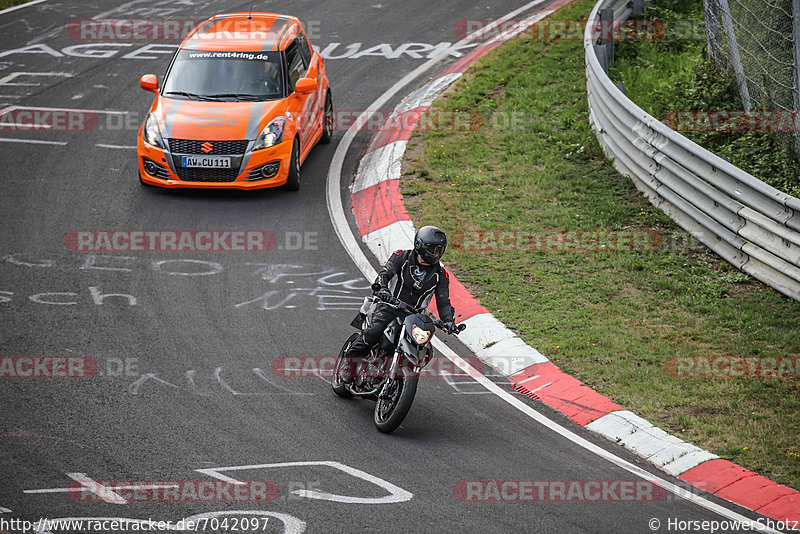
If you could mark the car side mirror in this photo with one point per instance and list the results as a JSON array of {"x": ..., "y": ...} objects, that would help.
[
  {"x": 149, "y": 82},
  {"x": 305, "y": 85}
]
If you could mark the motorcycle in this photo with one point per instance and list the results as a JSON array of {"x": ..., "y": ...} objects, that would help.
[{"x": 389, "y": 374}]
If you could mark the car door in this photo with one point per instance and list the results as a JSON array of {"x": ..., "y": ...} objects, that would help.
[
  {"x": 301, "y": 105},
  {"x": 318, "y": 101}
]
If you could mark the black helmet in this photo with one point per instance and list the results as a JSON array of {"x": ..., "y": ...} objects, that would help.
[{"x": 430, "y": 243}]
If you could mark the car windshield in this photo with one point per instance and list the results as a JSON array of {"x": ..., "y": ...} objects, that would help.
[{"x": 209, "y": 75}]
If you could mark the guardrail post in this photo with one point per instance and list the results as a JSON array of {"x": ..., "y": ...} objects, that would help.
[
  {"x": 600, "y": 52},
  {"x": 607, "y": 35},
  {"x": 638, "y": 8}
]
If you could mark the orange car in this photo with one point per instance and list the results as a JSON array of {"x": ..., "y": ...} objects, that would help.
[{"x": 244, "y": 101}]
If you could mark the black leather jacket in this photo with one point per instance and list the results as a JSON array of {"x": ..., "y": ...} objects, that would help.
[{"x": 416, "y": 284}]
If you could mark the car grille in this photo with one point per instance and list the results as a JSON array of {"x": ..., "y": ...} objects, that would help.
[
  {"x": 191, "y": 146},
  {"x": 207, "y": 175}
]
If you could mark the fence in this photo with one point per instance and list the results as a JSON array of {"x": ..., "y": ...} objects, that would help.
[
  {"x": 759, "y": 41},
  {"x": 750, "y": 224}
]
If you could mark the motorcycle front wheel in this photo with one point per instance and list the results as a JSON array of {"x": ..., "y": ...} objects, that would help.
[
  {"x": 390, "y": 411},
  {"x": 337, "y": 384}
]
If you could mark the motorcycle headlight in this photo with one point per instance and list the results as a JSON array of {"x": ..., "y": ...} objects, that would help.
[
  {"x": 420, "y": 335},
  {"x": 151, "y": 132},
  {"x": 272, "y": 134}
]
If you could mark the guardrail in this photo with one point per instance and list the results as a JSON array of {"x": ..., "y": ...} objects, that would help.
[{"x": 752, "y": 225}]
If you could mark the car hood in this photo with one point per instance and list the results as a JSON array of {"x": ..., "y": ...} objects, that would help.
[{"x": 215, "y": 121}]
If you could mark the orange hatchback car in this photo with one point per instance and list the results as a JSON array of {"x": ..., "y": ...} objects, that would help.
[{"x": 243, "y": 102}]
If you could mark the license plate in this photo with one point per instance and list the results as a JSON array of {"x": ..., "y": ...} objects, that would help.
[{"x": 208, "y": 162}]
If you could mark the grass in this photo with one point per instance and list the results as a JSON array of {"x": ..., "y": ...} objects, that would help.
[
  {"x": 11, "y": 3},
  {"x": 610, "y": 319},
  {"x": 669, "y": 75}
]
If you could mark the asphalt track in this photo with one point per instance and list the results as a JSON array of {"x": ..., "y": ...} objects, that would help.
[{"x": 192, "y": 333}]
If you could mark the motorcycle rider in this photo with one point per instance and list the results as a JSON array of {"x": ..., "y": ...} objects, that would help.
[{"x": 413, "y": 277}]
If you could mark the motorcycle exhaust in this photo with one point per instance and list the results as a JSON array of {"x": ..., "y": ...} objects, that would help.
[{"x": 363, "y": 394}]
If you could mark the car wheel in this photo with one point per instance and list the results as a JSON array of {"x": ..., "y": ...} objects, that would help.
[
  {"x": 293, "y": 181},
  {"x": 327, "y": 120}
]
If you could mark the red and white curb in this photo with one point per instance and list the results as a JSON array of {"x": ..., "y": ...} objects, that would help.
[{"x": 385, "y": 226}]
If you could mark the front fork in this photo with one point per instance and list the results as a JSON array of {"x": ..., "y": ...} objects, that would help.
[{"x": 393, "y": 370}]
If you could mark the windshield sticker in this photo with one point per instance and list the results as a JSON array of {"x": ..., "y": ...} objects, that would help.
[{"x": 228, "y": 55}]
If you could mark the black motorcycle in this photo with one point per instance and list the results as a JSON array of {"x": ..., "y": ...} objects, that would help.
[{"x": 389, "y": 374}]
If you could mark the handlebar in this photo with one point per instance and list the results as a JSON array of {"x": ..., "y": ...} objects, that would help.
[
  {"x": 402, "y": 306},
  {"x": 399, "y": 305},
  {"x": 441, "y": 324}
]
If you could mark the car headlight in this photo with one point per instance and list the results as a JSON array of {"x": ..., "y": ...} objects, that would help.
[
  {"x": 272, "y": 134},
  {"x": 151, "y": 132},
  {"x": 420, "y": 335}
]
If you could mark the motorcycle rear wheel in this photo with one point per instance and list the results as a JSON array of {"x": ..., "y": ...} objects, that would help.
[
  {"x": 337, "y": 385},
  {"x": 390, "y": 413}
]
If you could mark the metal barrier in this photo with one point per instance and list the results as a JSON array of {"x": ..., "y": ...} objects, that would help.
[{"x": 752, "y": 225}]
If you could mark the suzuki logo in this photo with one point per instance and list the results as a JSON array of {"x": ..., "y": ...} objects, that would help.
[{"x": 207, "y": 147}]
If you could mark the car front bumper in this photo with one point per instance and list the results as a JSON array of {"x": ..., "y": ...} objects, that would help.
[{"x": 166, "y": 174}]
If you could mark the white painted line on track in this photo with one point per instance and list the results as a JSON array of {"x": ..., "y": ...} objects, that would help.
[
  {"x": 316, "y": 373},
  {"x": 333, "y": 192},
  {"x": 120, "y": 147},
  {"x": 119, "y": 9},
  {"x": 23, "y": 125},
  {"x": 6, "y": 80},
  {"x": 103, "y": 492},
  {"x": 14, "y": 8},
  {"x": 396, "y": 494},
  {"x": 348, "y": 240},
  {"x": 591, "y": 447},
  {"x": 31, "y": 141},
  {"x": 76, "y": 110}
]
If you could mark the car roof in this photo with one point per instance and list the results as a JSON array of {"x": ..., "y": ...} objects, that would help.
[{"x": 244, "y": 32}]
